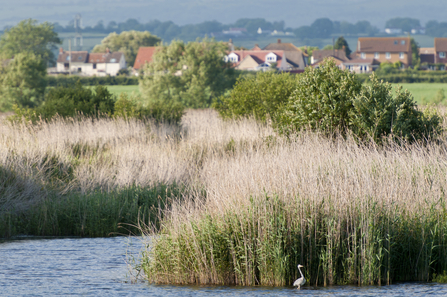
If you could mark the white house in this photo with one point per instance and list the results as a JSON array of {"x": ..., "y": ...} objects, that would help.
[{"x": 83, "y": 63}]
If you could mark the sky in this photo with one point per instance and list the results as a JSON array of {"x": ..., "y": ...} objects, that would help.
[{"x": 295, "y": 13}]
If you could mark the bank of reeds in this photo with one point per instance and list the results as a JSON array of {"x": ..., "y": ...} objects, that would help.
[
  {"x": 351, "y": 214},
  {"x": 84, "y": 177}
]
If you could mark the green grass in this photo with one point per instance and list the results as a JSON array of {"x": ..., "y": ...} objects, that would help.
[
  {"x": 423, "y": 90},
  {"x": 117, "y": 90}
]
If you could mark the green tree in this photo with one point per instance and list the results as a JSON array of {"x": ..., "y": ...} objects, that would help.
[
  {"x": 341, "y": 43},
  {"x": 22, "y": 81},
  {"x": 29, "y": 36},
  {"x": 322, "y": 28},
  {"x": 258, "y": 96},
  {"x": 415, "y": 59},
  {"x": 406, "y": 24},
  {"x": 192, "y": 74},
  {"x": 128, "y": 42}
]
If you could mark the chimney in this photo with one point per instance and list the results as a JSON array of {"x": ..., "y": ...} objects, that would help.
[
  {"x": 107, "y": 50},
  {"x": 61, "y": 51},
  {"x": 279, "y": 40},
  {"x": 231, "y": 45}
]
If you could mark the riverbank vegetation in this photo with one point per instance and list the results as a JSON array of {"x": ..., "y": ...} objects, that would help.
[{"x": 261, "y": 204}]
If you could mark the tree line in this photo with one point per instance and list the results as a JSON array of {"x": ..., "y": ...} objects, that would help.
[{"x": 320, "y": 28}]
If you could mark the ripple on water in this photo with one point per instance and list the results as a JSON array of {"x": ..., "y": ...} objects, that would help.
[{"x": 96, "y": 267}]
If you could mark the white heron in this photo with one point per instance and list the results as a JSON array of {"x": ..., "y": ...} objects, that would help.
[{"x": 301, "y": 281}]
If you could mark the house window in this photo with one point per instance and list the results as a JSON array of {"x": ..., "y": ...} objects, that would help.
[
  {"x": 442, "y": 54},
  {"x": 376, "y": 55},
  {"x": 79, "y": 69},
  {"x": 402, "y": 42},
  {"x": 66, "y": 65},
  {"x": 396, "y": 42},
  {"x": 363, "y": 55},
  {"x": 442, "y": 67},
  {"x": 388, "y": 55},
  {"x": 401, "y": 55},
  {"x": 94, "y": 65}
]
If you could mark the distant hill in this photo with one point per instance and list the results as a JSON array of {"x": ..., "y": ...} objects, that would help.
[{"x": 294, "y": 13}]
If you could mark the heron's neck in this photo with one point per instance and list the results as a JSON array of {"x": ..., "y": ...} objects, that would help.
[{"x": 300, "y": 272}]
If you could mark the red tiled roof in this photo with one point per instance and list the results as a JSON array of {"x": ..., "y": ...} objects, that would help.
[
  {"x": 97, "y": 58},
  {"x": 383, "y": 44},
  {"x": 144, "y": 56},
  {"x": 440, "y": 44}
]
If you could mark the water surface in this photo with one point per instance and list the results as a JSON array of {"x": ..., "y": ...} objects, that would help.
[{"x": 97, "y": 267}]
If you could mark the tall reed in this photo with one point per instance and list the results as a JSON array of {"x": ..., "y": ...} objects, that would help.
[{"x": 349, "y": 213}]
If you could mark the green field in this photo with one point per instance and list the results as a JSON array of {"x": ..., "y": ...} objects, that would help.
[
  {"x": 116, "y": 90},
  {"x": 423, "y": 90}
]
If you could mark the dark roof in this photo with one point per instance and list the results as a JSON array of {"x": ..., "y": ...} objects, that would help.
[
  {"x": 321, "y": 54},
  {"x": 80, "y": 57},
  {"x": 441, "y": 44},
  {"x": 281, "y": 47},
  {"x": 358, "y": 61},
  {"x": 383, "y": 44}
]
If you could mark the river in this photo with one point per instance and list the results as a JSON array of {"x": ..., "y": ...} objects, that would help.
[{"x": 97, "y": 267}]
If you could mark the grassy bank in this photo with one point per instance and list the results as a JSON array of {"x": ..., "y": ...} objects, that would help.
[
  {"x": 84, "y": 177},
  {"x": 263, "y": 204}
]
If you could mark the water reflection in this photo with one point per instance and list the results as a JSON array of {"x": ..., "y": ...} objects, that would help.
[{"x": 96, "y": 267}]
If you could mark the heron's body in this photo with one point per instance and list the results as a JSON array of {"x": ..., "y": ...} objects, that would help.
[{"x": 301, "y": 281}]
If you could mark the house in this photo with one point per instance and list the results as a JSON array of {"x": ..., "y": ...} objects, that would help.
[
  {"x": 320, "y": 55},
  {"x": 359, "y": 65},
  {"x": 261, "y": 60},
  {"x": 71, "y": 62},
  {"x": 440, "y": 51},
  {"x": 356, "y": 65},
  {"x": 293, "y": 54},
  {"x": 338, "y": 61},
  {"x": 144, "y": 56},
  {"x": 94, "y": 64},
  {"x": 385, "y": 49}
]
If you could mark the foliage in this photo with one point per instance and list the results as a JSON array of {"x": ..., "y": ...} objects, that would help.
[
  {"x": 341, "y": 43},
  {"x": 65, "y": 80},
  {"x": 405, "y": 24},
  {"x": 440, "y": 278},
  {"x": 330, "y": 100},
  {"x": 22, "y": 81},
  {"x": 377, "y": 113},
  {"x": 68, "y": 102},
  {"x": 192, "y": 74},
  {"x": 170, "y": 113},
  {"x": 415, "y": 59},
  {"x": 321, "y": 101},
  {"x": 29, "y": 37},
  {"x": 436, "y": 29},
  {"x": 127, "y": 42},
  {"x": 392, "y": 75},
  {"x": 259, "y": 96},
  {"x": 91, "y": 214}
]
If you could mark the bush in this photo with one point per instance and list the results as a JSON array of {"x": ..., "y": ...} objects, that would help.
[
  {"x": 330, "y": 100},
  {"x": 377, "y": 113},
  {"x": 322, "y": 100},
  {"x": 169, "y": 112},
  {"x": 68, "y": 102},
  {"x": 257, "y": 96},
  {"x": 70, "y": 80}
]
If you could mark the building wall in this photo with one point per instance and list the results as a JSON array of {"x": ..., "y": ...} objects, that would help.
[{"x": 394, "y": 57}]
